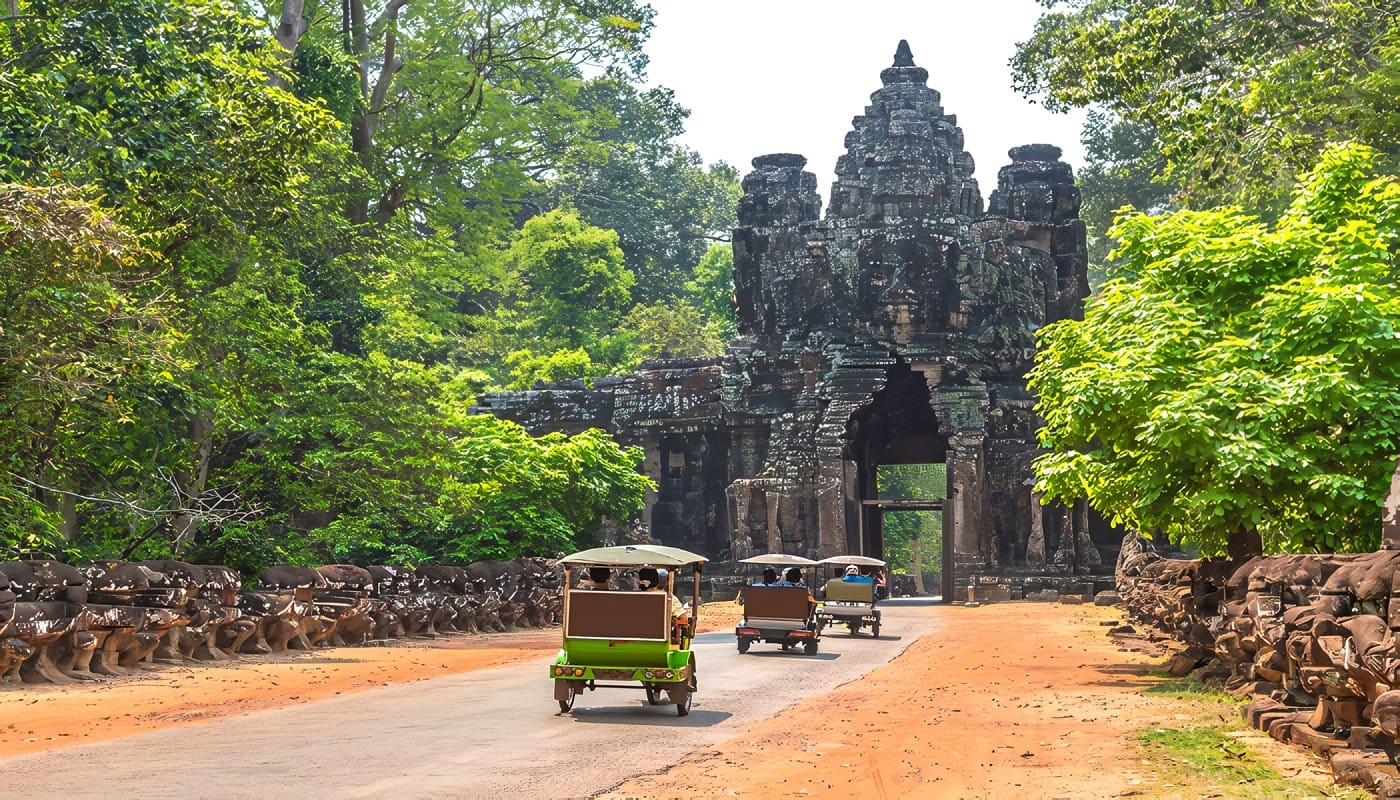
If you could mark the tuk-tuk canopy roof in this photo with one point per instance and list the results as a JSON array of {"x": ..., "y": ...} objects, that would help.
[
  {"x": 634, "y": 555},
  {"x": 778, "y": 559},
  {"x": 860, "y": 561}
]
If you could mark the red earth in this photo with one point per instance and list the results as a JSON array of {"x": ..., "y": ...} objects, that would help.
[{"x": 1014, "y": 699}]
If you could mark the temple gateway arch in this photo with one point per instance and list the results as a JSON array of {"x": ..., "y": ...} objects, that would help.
[{"x": 880, "y": 369}]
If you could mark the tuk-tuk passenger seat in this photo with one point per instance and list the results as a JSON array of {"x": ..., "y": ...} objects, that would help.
[
  {"x": 619, "y": 615},
  {"x": 850, "y": 591},
  {"x": 785, "y": 605}
]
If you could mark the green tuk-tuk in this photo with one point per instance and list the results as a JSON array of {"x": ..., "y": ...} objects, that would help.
[{"x": 622, "y": 639}]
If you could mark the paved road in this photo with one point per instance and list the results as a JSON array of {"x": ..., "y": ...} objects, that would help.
[{"x": 489, "y": 733}]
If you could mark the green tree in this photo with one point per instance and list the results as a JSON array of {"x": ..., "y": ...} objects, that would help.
[
  {"x": 669, "y": 330},
  {"x": 540, "y": 495},
  {"x": 357, "y": 460},
  {"x": 1241, "y": 96},
  {"x": 527, "y": 367},
  {"x": 380, "y": 460},
  {"x": 1123, "y": 168},
  {"x": 72, "y": 337},
  {"x": 666, "y": 206},
  {"x": 453, "y": 112},
  {"x": 460, "y": 106},
  {"x": 173, "y": 111},
  {"x": 711, "y": 289},
  {"x": 1246, "y": 380},
  {"x": 566, "y": 281}
]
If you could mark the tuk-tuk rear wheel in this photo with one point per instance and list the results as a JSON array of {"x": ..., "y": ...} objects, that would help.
[
  {"x": 810, "y": 647},
  {"x": 875, "y": 630},
  {"x": 743, "y": 645},
  {"x": 684, "y": 708},
  {"x": 566, "y": 705}
]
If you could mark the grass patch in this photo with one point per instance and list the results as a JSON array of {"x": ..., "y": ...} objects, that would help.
[
  {"x": 1213, "y": 763},
  {"x": 1188, "y": 688},
  {"x": 1205, "y": 753}
]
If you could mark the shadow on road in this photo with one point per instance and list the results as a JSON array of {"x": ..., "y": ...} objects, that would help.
[
  {"x": 933, "y": 600},
  {"x": 779, "y": 654},
  {"x": 643, "y": 714},
  {"x": 841, "y": 636}
]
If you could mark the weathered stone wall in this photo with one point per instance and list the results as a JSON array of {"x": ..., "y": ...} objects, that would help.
[{"x": 897, "y": 329}]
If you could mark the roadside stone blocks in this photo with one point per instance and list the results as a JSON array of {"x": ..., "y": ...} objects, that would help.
[
  {"x": 60, "y": 623},
  {"x": 1311, "y": 638}
]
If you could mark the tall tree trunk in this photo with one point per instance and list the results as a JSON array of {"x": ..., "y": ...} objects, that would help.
[
  {"x": 68, "y": 512},
  {"x": 377, "y": 69},
  {"x": 1244, "y": 544},
  {"x": 361, "y": 132},
  {"x": 291, "y": 26},
  {"x": 191, "y": 485},
  {"x": 916, "y": 566}
]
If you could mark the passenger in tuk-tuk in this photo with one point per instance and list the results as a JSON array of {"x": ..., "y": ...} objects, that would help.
[
  {"x": 650, "y": 579},
  {"x": 770, "y": 578},
  {"x": 597, "y": 578},
  {"x": 853, "y": 575},
  {"x": 793, "y": 577}
]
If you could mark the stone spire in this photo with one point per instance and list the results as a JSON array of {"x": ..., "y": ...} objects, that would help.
[
  {"x": 782, "y": 284},
  {"x": 1036, "y": 186},
  {"x": 903, "y": 57},
  {"x": 904, "y": 156},
  {"x": 903, "y": 69}
]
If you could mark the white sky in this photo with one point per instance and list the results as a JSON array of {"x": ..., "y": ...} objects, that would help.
[{"x": 787, "y": 76}]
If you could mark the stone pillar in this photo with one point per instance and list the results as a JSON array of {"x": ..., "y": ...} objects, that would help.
[
  {"x": 851, "y": 511},
  {"x": 1087, "y": 557},
  {"x": 831, "y": 520},
  {"x": 775, "y": 541},
  {"x": 1064, "y": 557},
  {"x": 651, "y": 465},
  {"x": 1035, "y": 545},
  {"x": 737, "y": 505},
  {"x": 964, "y": 469},
  {"x": 1390, "y": 514}
]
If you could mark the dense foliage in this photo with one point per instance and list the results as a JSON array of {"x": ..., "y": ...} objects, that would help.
[
  {"x": 1245, "y": 377},
  {"x": 1204, "y": 103},
  {"x": 255, "y": 270},
  {"x": 913, "y": 540}
]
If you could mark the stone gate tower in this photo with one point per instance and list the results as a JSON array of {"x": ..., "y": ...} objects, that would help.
[{"x": 896, "y": 330}]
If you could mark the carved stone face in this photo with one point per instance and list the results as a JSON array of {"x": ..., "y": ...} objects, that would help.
[{"x": 907, "y": 283}]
